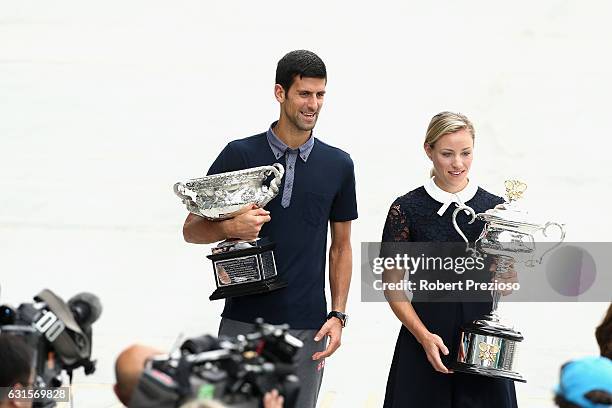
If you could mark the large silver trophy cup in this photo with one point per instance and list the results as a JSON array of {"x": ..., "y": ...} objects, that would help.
[
  {"x": 240, "y": 267},
  {"x": 487, "y": 346}
]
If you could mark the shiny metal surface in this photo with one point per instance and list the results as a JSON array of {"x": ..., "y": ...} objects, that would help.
[
  {"x": 241, "y": 267},
  {"x": 488, "y": 355},
  {"x": 508, "y": 236},
  {"x": 488, "y": 351},
  {"x": 224, "y": 195},
  {"x": 509, "y": 230}
]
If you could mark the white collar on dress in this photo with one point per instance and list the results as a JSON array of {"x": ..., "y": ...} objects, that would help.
[{"x": 447, "y": 198}]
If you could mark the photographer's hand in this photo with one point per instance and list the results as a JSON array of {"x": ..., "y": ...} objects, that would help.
[
  {"x": 333, "y": 329},
  {"x": 273, "y": 399}
]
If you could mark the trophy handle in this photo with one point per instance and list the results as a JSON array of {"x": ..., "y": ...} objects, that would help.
[
  {"x": 471, "y": 212},
  {"x": 179, "y": 190},
  {"x": 561, "y": 238},
  {"x": 278, "y": 171}
]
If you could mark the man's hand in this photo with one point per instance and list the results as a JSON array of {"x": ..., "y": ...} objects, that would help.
[
  {"x": 246, "y": 226},
  {"x": 333, "y": 329}
]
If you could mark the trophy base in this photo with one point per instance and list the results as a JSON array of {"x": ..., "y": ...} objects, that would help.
[
  {"x": 246, "y": 289},
  {"x": 488, "y": 348},
  {"x": 487, "y": 371},
  {"x": 245, "y": 268}
]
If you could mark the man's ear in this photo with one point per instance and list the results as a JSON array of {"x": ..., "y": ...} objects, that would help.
[
  {"x": 12, "y": 402},
  {"x": 116, "y": 390},
  {"x": 279, "y": 93}
]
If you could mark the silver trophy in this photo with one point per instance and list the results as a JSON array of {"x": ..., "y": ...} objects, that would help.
[
  {"x": 240, "y": 267},
  {"x": 487, "y": 346}
]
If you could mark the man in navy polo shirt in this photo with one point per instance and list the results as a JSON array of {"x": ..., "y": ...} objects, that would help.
[{"x": 318, "y": 188}]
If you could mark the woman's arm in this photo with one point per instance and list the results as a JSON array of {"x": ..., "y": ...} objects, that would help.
[
  {"x": 400, "y": 304},
  {"x": 397, "y": 230}
]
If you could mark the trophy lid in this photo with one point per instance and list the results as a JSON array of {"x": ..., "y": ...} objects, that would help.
[{"x": 511, "y": 214}]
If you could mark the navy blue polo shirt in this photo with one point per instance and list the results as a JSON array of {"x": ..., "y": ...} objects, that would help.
[{"x": 323, "y": 191}]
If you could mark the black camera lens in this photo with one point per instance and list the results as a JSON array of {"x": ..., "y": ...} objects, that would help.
[
  {"x": 200, "y": 344},
  {"x": 7, "y": 315}
]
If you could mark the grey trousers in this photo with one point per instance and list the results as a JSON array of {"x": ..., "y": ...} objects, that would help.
[{"x": 309, "y": 372}]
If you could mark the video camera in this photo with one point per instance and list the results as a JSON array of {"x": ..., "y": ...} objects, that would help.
[
  {"x": 236, "y": 372},
  {"x": 58, "y": 333}
]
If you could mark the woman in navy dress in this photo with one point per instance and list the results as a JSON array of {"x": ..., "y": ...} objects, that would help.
[{"x": 419, "y": 376}]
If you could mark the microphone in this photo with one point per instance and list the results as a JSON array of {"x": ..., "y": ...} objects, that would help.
[{"x": 85, "y": 307}]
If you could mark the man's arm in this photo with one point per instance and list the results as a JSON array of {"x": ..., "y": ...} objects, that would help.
[
  {"x": 198, "y": 230},
  {"x": 246, "y": 226},
  {"x": 340, "y": 264},
  {"x": 340, "y": 271}
]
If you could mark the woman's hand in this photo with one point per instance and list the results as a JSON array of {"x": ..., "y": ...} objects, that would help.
[{"x": 433, "y": 345}]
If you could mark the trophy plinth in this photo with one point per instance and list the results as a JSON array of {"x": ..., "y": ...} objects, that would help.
[
  {"x": 488, "y": 347},
  {"x": 247, "y": 268},
  {"x": 240, "y": 267}
]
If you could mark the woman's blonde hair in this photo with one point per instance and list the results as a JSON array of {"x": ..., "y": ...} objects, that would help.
[{"x": 445, "y": 123}]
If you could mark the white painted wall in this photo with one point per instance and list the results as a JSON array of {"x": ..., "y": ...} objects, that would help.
[{"x": 104, "y": 105}]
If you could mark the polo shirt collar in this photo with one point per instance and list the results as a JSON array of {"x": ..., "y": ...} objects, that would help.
[
  {"x": 279, "y": 147},
  {"x": 447, "y": 198}
]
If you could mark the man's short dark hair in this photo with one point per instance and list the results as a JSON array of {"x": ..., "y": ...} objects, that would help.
[
  {"x": 300, "y": 63},
  {"x": 15, "y": 361},
  {"x": 596, "y": 397}
]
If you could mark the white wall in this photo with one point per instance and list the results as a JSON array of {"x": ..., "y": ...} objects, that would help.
[{"x": 104, "y": 105}]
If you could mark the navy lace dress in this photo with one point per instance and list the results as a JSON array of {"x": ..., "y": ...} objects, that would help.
[{"x": 413, "y": 382}]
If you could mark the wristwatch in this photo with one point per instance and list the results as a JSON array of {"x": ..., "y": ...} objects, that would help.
[{"x": 342, "y": 316}]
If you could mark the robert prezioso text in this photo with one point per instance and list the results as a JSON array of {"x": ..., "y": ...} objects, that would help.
[{"x": 437, "y": 285}]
